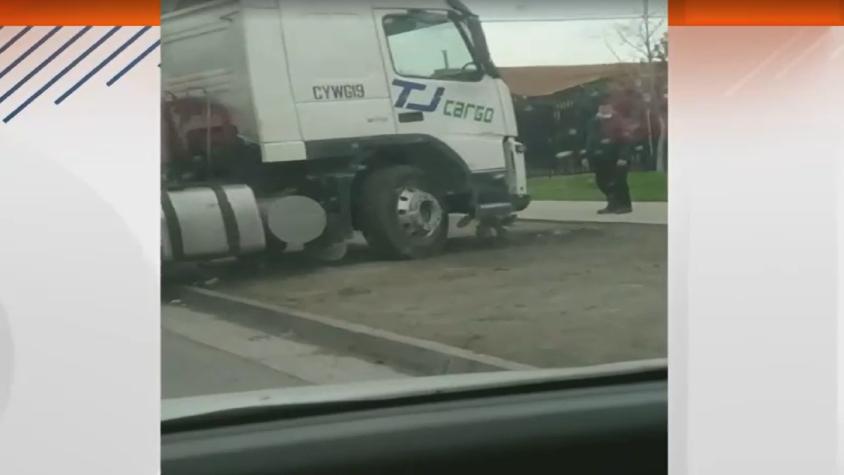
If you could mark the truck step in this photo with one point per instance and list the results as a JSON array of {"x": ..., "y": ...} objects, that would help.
[{"x": 486, "y": 210}]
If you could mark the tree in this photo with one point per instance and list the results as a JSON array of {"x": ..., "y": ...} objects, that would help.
[
  {"x": 662, "y": 48},
  {"x": 649, "y": 61},
  {"x": 662, "y": 152}
]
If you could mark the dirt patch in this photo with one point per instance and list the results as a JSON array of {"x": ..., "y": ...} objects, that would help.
[{"x": 554, "y": 295}]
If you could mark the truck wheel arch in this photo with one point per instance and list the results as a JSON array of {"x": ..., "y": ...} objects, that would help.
[
  {"x": 423, "y": 151},
  {"x": 420, "y": 150},
  {"x": 429, "y": 154}
]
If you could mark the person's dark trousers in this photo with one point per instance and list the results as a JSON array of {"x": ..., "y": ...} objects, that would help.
[
  {"x": 611, "y": 178},
  {"x": 604, "y": 177},
  {"x": 619, "y": 190}
]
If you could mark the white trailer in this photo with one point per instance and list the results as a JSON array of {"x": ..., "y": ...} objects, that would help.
[{"x": 306, "y": 120}]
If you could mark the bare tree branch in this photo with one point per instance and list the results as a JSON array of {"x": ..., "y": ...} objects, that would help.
[
  {"x": 659, "y": 24},
  {"x": 626, "y": 40},
  {"x": 630, "y": 75},
  {"x": 612, "y": 50},
  {"x": 643, "y": 28}
]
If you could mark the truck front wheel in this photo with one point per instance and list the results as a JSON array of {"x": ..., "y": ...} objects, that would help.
[{"x": 402, "y": 214}]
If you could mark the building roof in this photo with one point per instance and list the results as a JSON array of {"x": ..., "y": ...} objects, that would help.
[{"x": 545, "y": 80}]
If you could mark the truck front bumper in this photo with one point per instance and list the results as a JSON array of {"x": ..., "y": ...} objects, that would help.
[{"x": 520, "y": 202}]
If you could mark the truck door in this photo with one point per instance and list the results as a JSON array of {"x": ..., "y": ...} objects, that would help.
[
  {"x": 437, "y": 86},
  {"x": 336, "y": 70}
]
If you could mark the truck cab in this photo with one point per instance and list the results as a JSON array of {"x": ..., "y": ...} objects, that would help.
[{"x": 389, "y": 114}]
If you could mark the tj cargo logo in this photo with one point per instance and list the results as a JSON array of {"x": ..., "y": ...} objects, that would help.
[
  {"x": 407, "y": 87},
  {"x": 452, "y": 108}
]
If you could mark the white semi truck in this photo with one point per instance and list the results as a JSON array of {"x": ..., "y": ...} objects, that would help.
[{"x": 298, "y": 122}]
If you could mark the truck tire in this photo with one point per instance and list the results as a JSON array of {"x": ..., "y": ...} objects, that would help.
[{"x": 402, "y": 214}]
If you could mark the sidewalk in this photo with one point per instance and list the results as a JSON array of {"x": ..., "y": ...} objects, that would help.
[
  {"x": 204, "y": 354},
  {"x": 585, "y": 211}
]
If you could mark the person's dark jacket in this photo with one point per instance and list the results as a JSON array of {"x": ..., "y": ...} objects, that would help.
[
  {"x": 608, "y": 139},
  {"x": 598, "y": 141}
]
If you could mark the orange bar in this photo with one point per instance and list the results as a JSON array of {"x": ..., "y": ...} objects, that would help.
[
  {"x": 755, "y": 13},
  {"x": 80, "y": 12}
]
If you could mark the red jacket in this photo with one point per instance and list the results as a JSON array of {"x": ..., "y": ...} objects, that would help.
[
  {"x": 628, "y": 123},
  {"x": 620, "y": 129}
]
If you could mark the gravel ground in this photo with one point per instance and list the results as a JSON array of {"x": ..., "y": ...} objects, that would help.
[{"x": 552, "y": 295}]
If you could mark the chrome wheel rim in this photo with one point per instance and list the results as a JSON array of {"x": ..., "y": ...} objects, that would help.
[{"x": 419, "y": 212}]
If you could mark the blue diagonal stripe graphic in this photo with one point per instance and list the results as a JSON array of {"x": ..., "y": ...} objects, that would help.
[
  {"x": 61, "y": 74},
  {"x": 29, "y": 51},
  {"x": 102, "y": 64},
  {"x": 14, "y": 39},
  {"x": 132, "y": 63},
  {"x": 44, "y": 63}
]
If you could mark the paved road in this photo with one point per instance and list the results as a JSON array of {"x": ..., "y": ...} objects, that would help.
[
  {"x": 202, "y": 354},
  {"x": 555, "y": 294}
]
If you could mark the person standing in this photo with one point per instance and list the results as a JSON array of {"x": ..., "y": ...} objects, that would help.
[{"x": 608, "y": 149}]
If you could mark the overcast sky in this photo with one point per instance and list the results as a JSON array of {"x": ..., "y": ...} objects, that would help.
[
  {"x": 573, "y": 31},
  {"x": 555, "y": 32}
]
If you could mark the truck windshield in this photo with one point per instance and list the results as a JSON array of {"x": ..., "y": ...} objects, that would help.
[{"x": 429, "y": 45}]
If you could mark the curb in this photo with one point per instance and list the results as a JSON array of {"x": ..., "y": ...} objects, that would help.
[
  {"x": 402, "y": 352},
  {"x": 583, "y": 221}
]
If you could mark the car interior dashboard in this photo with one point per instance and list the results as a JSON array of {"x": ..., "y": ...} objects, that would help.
[{"x": 606, "y": 425}]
